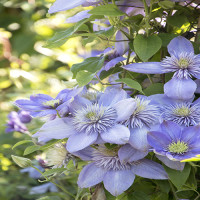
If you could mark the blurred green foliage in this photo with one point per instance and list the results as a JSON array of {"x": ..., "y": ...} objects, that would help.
[{"x": 26, "y": 68}]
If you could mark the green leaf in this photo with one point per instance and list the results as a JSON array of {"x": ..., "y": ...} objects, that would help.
[
  {"x": 108, "y": 10},
  {"x": 177, "y": 20},
  {"x": 50, "y": 172},
  {"x": 92, "y": 64},
  {"x": 61, "y": 37},
  {"x": 21, "y": 142},
  {"x": 146, "y": 47},
  {"x": 178, "y": 178},
  {"x": 50, "y": 144},
  {"x": 156, "y": 88},
  {"x": 31, "y": 149},
  {"x": 84, "y": 77},
  {"x": 166, "y": 38},
  {"x": 131, "y": 83},
  {"x": 138, "y": 195},
  {"x": 166, "y": 4}
]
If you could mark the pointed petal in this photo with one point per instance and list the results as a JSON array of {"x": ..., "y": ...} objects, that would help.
[
  {"x": 58, "y": 128},
  {"x": 171, "y": 164},
  {"x": 28, "y": 105},
  {"x": 179, "y": 45},
  {"x": 113, "y": 62},
  {"x": 118, "y": 134},
  {"x": 149, "y": 169},
  {"x": 78, "y": 17},
  {"x": 44, "y": 113},
  {"x": 180, "y": 88},
  {"x": 190, "y": 133},
  {"x": 116, "y": 182},
  {"x": 80, "y": 141},
  {"x": 129, "y": 154},
  {"x": 90, "y": 176},
  {"x": 61, "y": 5},
  {"x": 138, "y": 138},
  {"x": 40, "y": 98},
  {"x": 145, "y": 68},
  {"x": 125, "y": 108}
]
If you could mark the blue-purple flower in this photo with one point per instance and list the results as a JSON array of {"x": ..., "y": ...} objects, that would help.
[
  {"x": 43, "y": 188},
  {"x": 175, "y": 142},
  {"x": 184, "y": 113},
  {"x": 41, "y": 105},
  {"x": 145, "y": 116},
  {"x": 117, "y": 168},
  {"x": 90, "y": 122},
  {"x": 16, "y": 121},
  {"x": 182, "y": 61}
]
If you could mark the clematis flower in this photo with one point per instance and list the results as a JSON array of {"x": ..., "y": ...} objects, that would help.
[
  {"x": 16, "y": 122},
  {"x": 90, "y": 122},
  {"x": 41, "y": 105},
  {"x": 145, "y": 116},
  {"x": 182, "y": 61},
  {"x": 118, "y": 175},
  {"x": 184, "y": 113},
  {"x": 174, "y": 143}
]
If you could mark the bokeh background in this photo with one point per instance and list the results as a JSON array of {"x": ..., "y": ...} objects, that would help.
[{"x": 27, "y": 68}]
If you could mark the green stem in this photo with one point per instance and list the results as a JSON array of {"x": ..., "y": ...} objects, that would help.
[
  {"x": 150, "y": 79},
  {"x": 62, "y": 188},
  {"x": 173, "y": 190},
  {"x": 113, "y": 1},
  {"x": 146, "y": 17}
]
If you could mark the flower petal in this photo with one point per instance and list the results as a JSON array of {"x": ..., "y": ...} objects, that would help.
[
  {"x": 40, "y": 98},
  {"x": 113, "y": 62},
  {"x": 90, "y": 176},
  {"x": 129, "y": 154},
  {"x": 171, "y": 164},
  {"x": 61, "y": 5},
  {"x": 111, "y": 96},
  {"x": 79, "y": 141},
  {"x": 28, "y": 105},
  {"x": 118, "y": 134},
  {"x": 145, "y": 68},
  {"x": 180, "y": 88},
  {"x": 138, "y": 138},
  {"x": 125, "y": 108},
  {"x": 116, "y": 182},
  {"x": 84, "y": 154},
  {"x": 149, "y": 169},
  {"x": 179, "y": 45},
  {"x": 58, "y": 128}
]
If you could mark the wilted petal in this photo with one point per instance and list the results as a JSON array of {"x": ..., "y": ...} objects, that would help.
[
  {"x": 180, "y": 88},
  {"x": 138, "y": 138},
  {"x": 90, "y": 176},
  {"x": 171, "y": 164},
  {"x": 113, "y": 62},
  {"x": 78, "y": 17},
  {"x": 79, "y": 141},
  {"x": 145, "y": 68},
  {"x": 118, "y": 134},
  {"x": 116, "y": 182},
  {"x": 58, "y": 128},
  {"x": 149, "y": 169},
  {"x": 61, "y": 5},
  {"x": 129, "y": 154},
  {"x": 124, "y": 108},
  {"x": 179, "y": 45}
]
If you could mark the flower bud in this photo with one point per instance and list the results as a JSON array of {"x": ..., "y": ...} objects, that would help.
[{"x": 22, "y": 162}]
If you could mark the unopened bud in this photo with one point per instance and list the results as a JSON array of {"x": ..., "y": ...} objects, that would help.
[{"x": 21, "y": 161}]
